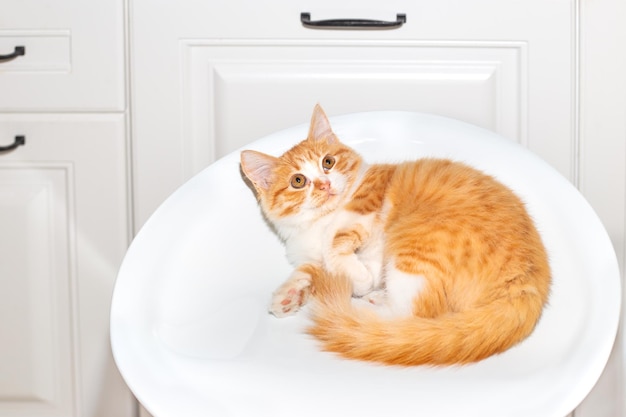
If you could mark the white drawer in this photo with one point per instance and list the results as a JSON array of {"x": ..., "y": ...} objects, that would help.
[
  {"x": 73, "y": 56},
  {"x": 23, "y": 52},
  {"x": 282, "y": 19}
]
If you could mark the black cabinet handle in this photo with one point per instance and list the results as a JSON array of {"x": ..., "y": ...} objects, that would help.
[
  {"x": 305, "y": 18},
  {"x": 19, "y": 140},
  {"x": 19, "y": 51}
]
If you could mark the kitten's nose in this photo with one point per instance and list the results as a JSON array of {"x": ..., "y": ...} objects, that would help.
[{"x": 323, "y": 184}]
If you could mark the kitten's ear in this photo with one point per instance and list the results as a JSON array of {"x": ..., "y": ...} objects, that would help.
[
  {"x": 320, "y": 126},
  {"x": 258, "y": 168}
]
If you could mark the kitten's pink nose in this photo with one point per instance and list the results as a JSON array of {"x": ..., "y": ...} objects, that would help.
[{"x": 323, "y": 185}]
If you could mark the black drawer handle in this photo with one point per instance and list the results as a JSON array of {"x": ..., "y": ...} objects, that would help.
[
  {"x": 305, "y": 18},
  {"x": 19, "y": 51},
  {"x": 19, "y": 140}
]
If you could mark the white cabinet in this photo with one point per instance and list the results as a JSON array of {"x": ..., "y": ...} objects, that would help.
[
  {"x": 224, "y": 74},
  {"x": 208, "y": 77},
  {"x": 64, "y": 221}
]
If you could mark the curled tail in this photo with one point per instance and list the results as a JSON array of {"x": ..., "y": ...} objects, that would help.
[{"x": 452, "y": 338}]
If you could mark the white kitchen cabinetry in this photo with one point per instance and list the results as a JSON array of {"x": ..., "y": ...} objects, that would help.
[
  {"x": 209, "y": 77},
  {"x": 64, "y": 222}
]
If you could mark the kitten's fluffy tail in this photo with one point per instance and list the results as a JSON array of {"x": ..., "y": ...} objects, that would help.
[{"x": 453, "y": 338}]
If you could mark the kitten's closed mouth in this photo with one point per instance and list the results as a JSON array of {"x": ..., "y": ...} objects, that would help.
[{"x": 331, "y": 194}]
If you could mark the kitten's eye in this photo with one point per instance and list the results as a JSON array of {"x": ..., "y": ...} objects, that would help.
[
  {"x": 328, "y": 162},
  {"x": 298, "y": 181}
]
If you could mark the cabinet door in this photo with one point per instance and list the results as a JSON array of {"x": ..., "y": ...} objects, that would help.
[
  {"x": 73, "y": 55},
  {"x": 238, "y": 91},
  {"x": 63, "y": 232}
]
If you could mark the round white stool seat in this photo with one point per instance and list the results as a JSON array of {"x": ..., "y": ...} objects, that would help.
[{"x": 191, "y": 334}]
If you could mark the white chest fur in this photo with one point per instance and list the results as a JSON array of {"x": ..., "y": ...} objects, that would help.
[{"x": 307, "y": 244}]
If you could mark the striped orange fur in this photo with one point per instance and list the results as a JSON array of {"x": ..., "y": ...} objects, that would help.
[{"x": 452, "y": 253}]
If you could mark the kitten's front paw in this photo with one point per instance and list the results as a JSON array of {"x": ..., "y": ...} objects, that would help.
[{"x": 290, "y": 297}]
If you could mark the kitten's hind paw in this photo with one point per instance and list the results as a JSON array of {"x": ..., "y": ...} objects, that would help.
[
  {"x": 290, "y": 297},
  {"x": 376, "y": 297}
]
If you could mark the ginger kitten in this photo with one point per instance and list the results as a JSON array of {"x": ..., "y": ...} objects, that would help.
[{"x": 449, "y": 254}]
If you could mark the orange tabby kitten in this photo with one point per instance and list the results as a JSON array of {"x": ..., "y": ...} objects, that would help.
[{"x": 449, "y": 255}]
